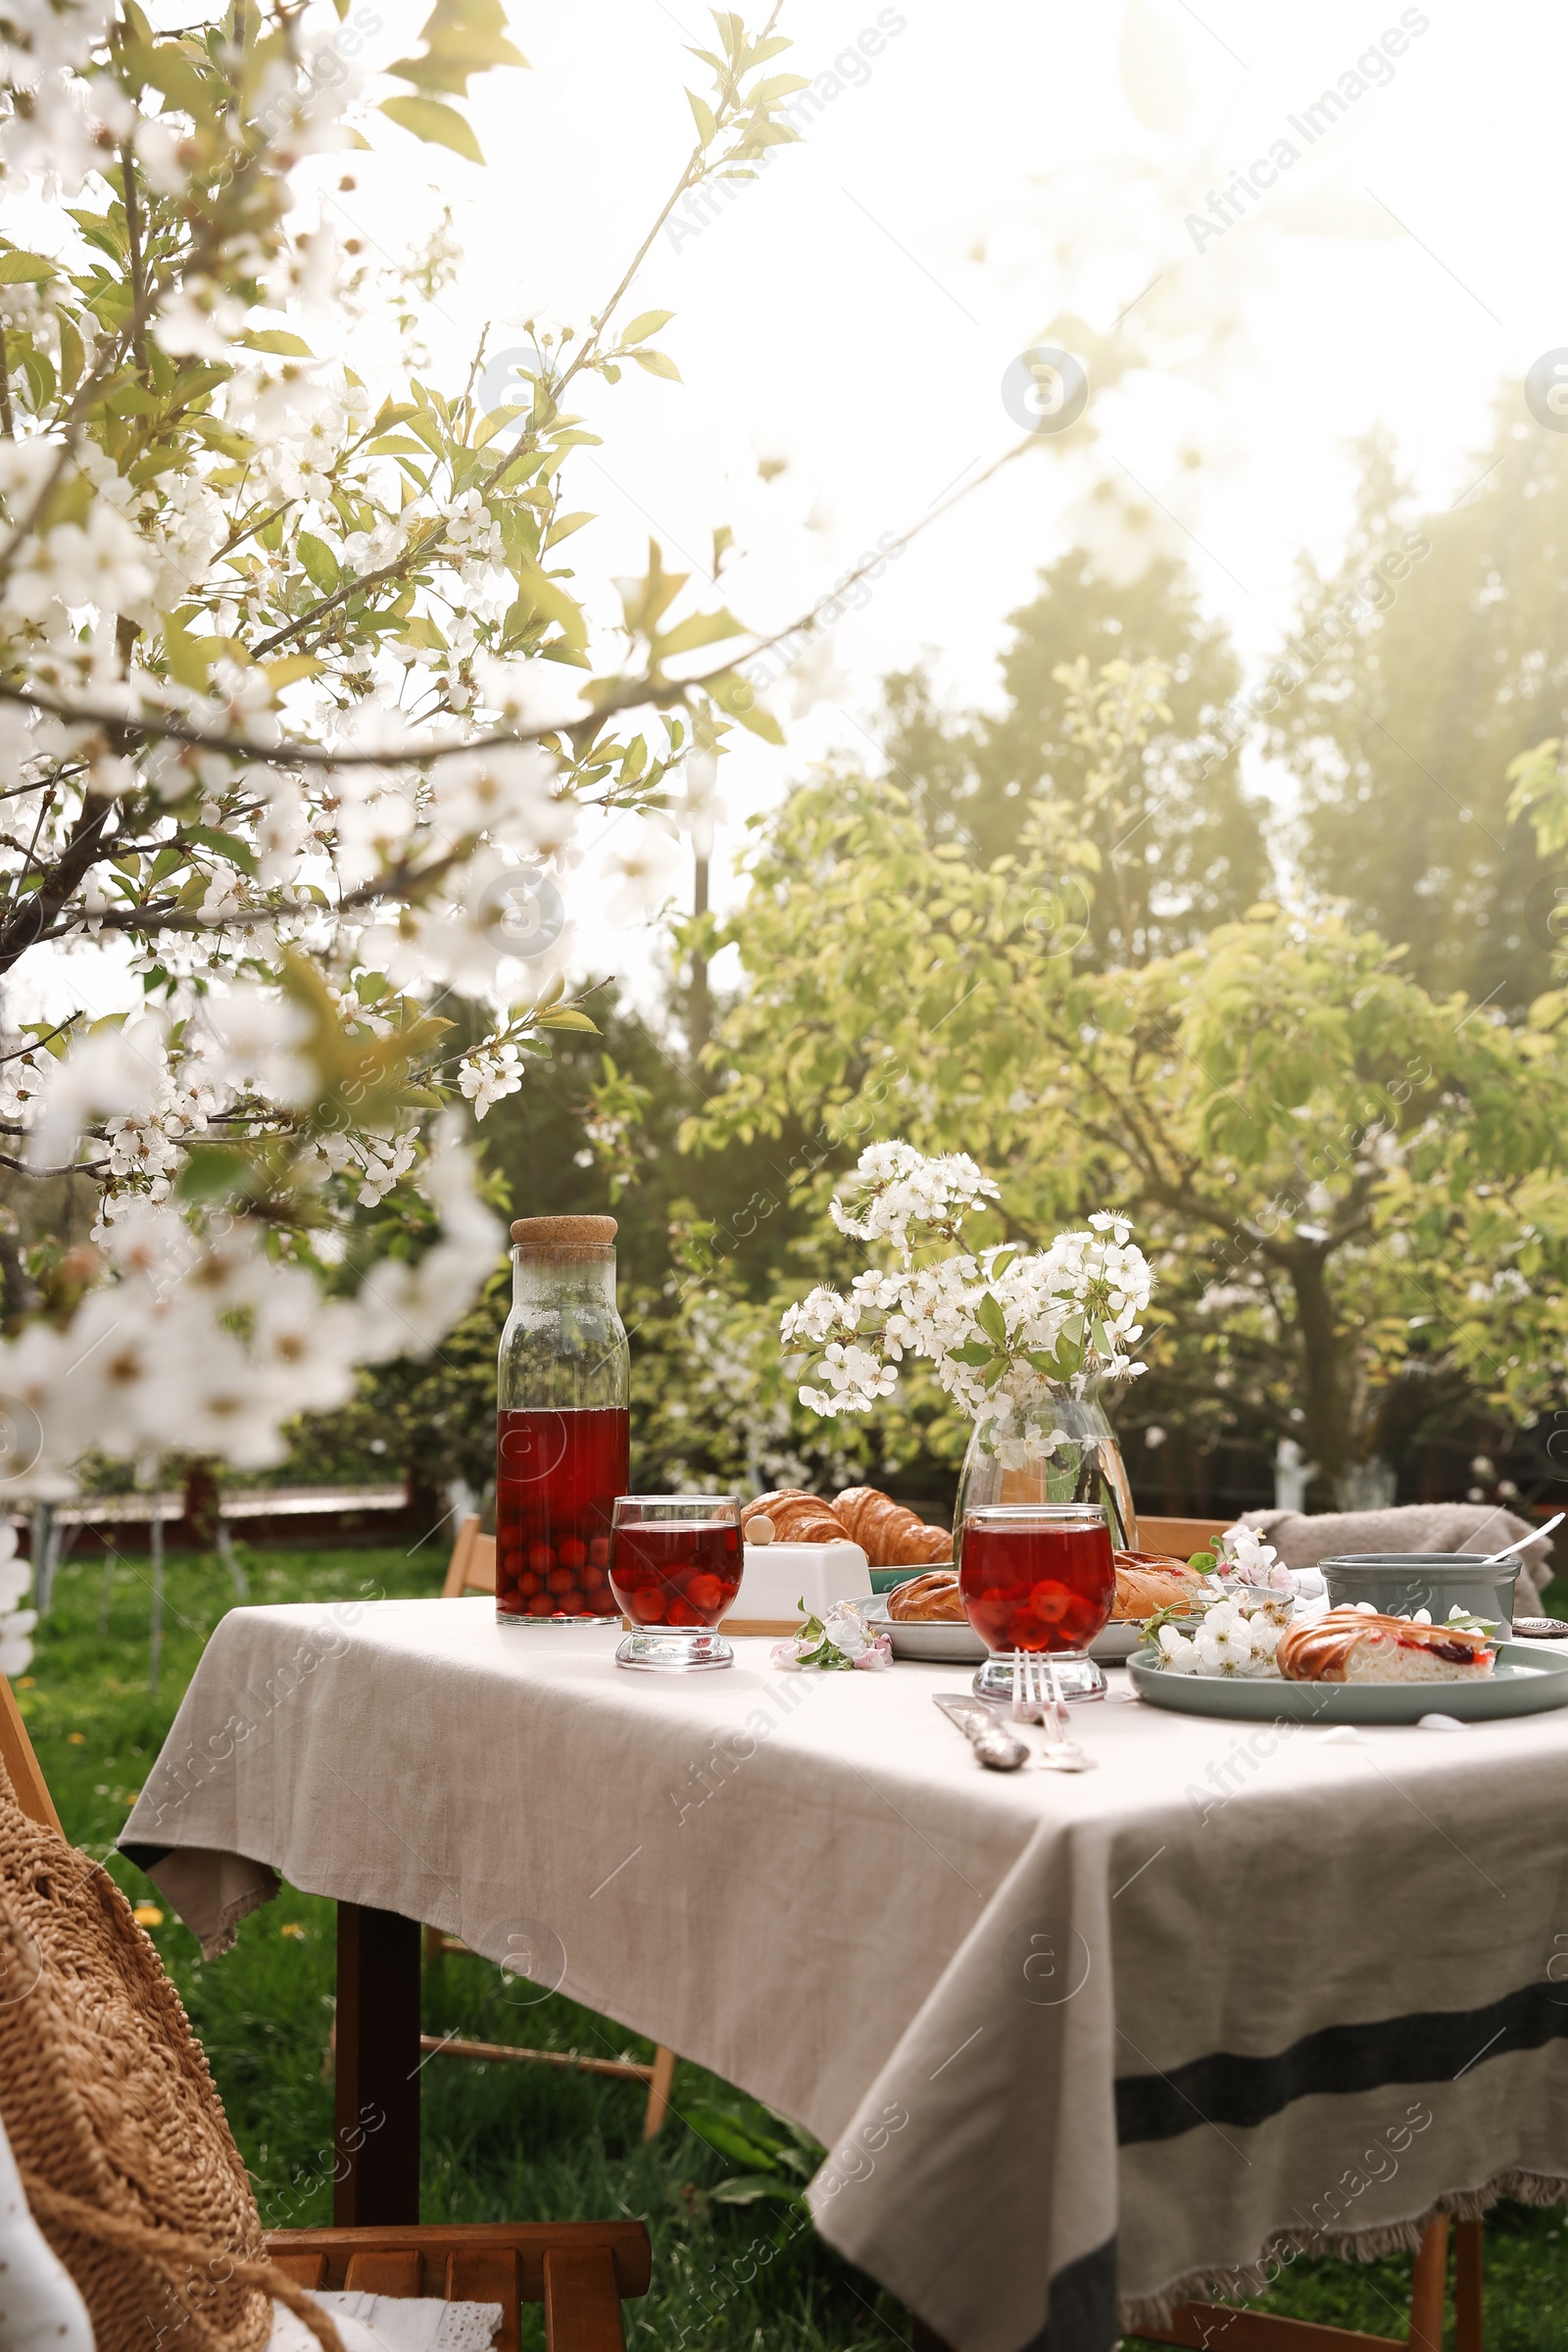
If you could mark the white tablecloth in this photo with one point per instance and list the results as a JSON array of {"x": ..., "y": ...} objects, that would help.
[{"x": 1240, "y": 1988}]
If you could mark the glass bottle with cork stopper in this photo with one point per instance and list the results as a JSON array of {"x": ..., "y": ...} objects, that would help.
[{"x": 563, "y": 1429}]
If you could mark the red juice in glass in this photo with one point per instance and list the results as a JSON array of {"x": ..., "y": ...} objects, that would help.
[
  {"x": 676, "y": 1576},
  {"x": 1028, "y": 1583},
  {"x": 557, "y": 1474}
]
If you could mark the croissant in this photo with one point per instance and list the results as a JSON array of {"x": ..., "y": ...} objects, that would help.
[
  {"x": 933, "y": 1599},
  {"x": 890, "y": 1535},
  {"x": 793, "y": 1516},
  {"x": 1357, "y": 1646},
  {"x": 1146, "y": 1582}
]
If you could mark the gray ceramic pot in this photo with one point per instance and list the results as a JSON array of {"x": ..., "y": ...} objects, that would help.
[{"x": 1398, "y": 1583}]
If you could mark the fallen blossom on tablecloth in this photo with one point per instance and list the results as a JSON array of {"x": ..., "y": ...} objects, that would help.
[{"x": 840, "y": 1639}]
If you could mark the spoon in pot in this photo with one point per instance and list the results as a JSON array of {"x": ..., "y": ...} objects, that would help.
[{"x": 1492, "y": 1557}]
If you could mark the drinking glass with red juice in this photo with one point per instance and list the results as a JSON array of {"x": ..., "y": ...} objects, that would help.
[
  {"x": 563, "y": 1431},
  {"x": 675, "y": 1568},
  {"x": 1038, "y": 1578}
]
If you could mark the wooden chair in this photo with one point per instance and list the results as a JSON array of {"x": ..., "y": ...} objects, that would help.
[
  {"x": 1180, "y": 1538},
  {"x": 1230, "y": 2328},
  {"x": 473, "y": 1565},
  {"x": 473, "y": 1569},
  {"x": 1223, "y": 2327},
  {"x": 582, "y": 2272}
]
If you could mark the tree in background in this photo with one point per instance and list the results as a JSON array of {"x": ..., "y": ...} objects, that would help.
[
  {"x": 1405, "y": 725},
  {"x": 1180, "y": 844},
  {"x": 1346, "y": 1182}
]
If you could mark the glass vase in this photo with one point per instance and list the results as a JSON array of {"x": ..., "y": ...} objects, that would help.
[{"x": 1058, "y": 1448}]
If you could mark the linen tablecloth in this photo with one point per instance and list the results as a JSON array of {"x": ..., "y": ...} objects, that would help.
[{"x": 1077, "y": 2045}]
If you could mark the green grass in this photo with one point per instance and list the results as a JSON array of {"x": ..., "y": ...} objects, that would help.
[{"x": 528, "y": 2143}]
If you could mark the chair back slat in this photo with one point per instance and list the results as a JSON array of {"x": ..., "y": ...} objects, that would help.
[
  {"x": 384, "y": 2271},
  {"x": 624, "y": 2245},
  {"x": 22, "y": 1765},
  {"x": 473, "y": 1565},
  {"x": 306, "y": 2270},
  {"x": 1180, "y": 1538},
  {"x": 582, "y": 2307}
]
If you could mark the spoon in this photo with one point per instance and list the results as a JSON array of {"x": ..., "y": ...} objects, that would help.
[{"x": 1492, "y": 1557}]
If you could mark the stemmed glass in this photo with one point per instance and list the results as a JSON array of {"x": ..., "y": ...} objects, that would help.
[
  {"x": 1037, "y": 1582},
  {"x": 675, "y": 1568}
]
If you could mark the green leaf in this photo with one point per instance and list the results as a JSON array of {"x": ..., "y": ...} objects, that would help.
[
  {"x": 723, "y": 2133},
  {"x": 318, "y": 562},
  {"x": 73, "y": 355},
  {"x": 494, "y": 421},
  {"x": 776, "y": 86},
  {"x": 212, "y": 1171},
  {"x": 703, "y": 628},
  {"x": 706, "y": 127},
  {"x": 18, "y": 269},
  {"x": 40, "y": 376},
  {"x": 973, "y": 1353},
  {"x": 436, "y": 124},
  {"x": 187, "y": 657},
  {"x": 658, "y": 363},
  {"x": 277, "y": 340},
  {"x": 566, "y": 1017},
  {"x": 749, "y": 2188},
  {"x": 737, "y": 699},
  {"x": 646, "y": 324},
  {"x": 223, "y": 845},
  {"x": 290, "y": 667},
  {"x": 991, "y": 1319}
]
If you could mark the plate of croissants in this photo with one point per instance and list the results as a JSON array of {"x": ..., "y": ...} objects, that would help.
[
  {"x": 1355, "y": 1665},
  {"x": 925, "y": 1614}
]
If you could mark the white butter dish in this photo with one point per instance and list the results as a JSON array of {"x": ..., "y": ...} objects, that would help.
[{"x": 776, "y": 1577}]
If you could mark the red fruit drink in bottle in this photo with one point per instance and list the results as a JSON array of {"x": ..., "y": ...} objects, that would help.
[{"x": 557, "y": 1474}]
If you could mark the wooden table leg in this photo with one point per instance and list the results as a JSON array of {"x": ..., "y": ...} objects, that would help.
[
  {"x": 1429, "y": 2287},
  {"x": 376, "y": 2104},
  {"x": 1468, "y": 2333},
  {"x": 926, "y": 2340}
]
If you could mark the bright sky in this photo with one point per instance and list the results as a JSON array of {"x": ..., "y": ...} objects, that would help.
[
  {"x": 982, "y": 173},
  {"x": 989, "y": 171}
]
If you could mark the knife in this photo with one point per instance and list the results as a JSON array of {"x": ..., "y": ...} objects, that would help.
[{"x": 992, "y": 1744}]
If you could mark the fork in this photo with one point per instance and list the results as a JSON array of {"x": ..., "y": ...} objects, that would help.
[{"x": 1037, "y": 1698}]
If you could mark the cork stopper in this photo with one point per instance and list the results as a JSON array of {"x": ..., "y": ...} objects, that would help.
[{"x": 580, "y": 1239}]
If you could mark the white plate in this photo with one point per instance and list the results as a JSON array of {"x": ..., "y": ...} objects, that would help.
[
  {"x": 961, "y": 1645},
  {"x": 1117, "y": 1642},
  {"x": 935, "y": 1645}
]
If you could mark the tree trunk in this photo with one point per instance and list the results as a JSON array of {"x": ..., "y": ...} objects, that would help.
[
  {"x": 199, "y": 1510},
  {"x": 1325, "y": 1367},
  {"x": 699, "y": 1015}
]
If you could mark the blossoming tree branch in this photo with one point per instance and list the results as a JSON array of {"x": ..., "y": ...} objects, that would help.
[{"x": 300, "y": 715}]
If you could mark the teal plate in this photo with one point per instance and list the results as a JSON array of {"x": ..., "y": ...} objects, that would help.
[{"x": 1525, "y": 1681}]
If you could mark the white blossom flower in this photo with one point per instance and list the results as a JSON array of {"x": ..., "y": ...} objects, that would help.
[
  {"x": 99, "y": 563},
  {"x": 993, "y": 1325},
  {"x": 490, "y": 1073}
]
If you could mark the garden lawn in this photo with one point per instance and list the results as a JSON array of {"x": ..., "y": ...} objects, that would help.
[{"x": 736, "y": 2263}]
